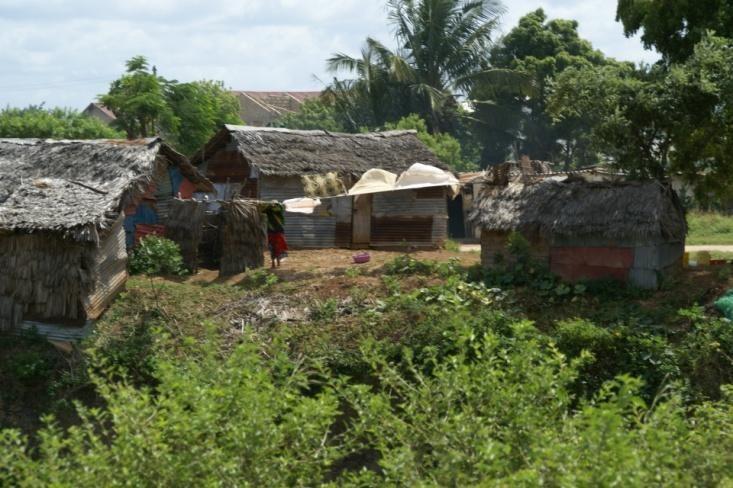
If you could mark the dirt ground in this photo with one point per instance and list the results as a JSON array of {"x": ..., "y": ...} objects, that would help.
[{"x": 305, "y": 264}]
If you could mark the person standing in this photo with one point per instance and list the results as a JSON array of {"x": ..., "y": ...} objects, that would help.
[{"x": 276, "y": 233}]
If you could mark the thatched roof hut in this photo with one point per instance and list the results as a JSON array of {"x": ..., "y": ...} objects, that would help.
[
  {"x": 286, "y": 152},
  {"x": 78, "y": 188},
  {"x": 271, "y": 164},
  {"x": 632, "y": 211},
  {"x": 63, "y": 211},
  {"x": 627, "y": 226}
]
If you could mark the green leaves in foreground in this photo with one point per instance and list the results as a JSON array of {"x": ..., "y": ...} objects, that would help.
[{"x": 496, "y": 411}]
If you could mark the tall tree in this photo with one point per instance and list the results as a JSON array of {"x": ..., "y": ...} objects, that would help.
[
  {"x": 444, "y": 146},
  {"x": 674, "y": 27},
  {"x": 139, "y": 100},
  {"x": 187, "y": 114},
  {"x": 510, "y": 117},
  {"x": 199, "y": 108},
  {"x": 313, "y": 114},
  {"x": 660, "y": 121},
  {"x": 375, "y": 95}
]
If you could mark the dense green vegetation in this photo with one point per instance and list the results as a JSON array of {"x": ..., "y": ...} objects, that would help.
[
  {"x": 509, "y": 377},
  {"x": 187, "y": 114},
  {"x": 39, "y": 122},
  {"x": 709, "y": 229},
  {"x": 544, "y": 91}
]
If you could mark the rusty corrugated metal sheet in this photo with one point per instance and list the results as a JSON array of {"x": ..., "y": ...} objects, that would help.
[
  {"x": 308, "y": 231},
  {"x": 343, "y": 234},
  {"x": 396, "y": 230},
  {"x": 405, "y": 206}
]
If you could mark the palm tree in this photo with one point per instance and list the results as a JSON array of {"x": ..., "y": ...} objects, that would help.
[
  {"x": 443, "y": 48},
  {"x": 368, "y": 99}
]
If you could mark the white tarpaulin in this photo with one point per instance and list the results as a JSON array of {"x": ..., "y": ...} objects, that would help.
[
  {"x": 301, "y": 205},
  {"x": 425, "y": 176},
  {"x": 379, "y": 181},
  {"x": 374, "y": 181}
]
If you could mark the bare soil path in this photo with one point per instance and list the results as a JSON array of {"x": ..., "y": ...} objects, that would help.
[{"x": 713, "y": 248}]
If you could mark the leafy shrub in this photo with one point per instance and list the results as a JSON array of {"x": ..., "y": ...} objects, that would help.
[
  {"x": 29, "y": 366},
  {"x": 324, "y": 311},
  {"x": 130, "y": 354},
  {"x": 240, "y": 421},
  {"x": 707, "y": 353},
  {"x": 156, "y": 255},
  {"x": 407, "y": 265},
  {"x": 353, "y": 272},
  {"x": 486, "y": 400},
  {"x": 452, "y": 246},
  {"x": 500, "y": 412},
  {"x": 615, "y": 351},
  {"x": 259, "y": 279}
]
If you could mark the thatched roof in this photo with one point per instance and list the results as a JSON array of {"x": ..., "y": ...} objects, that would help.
[
  {"x": 77, "y": 187},
  {"x": 285, "y": 152},
  {"x": 638, "y": 211}
]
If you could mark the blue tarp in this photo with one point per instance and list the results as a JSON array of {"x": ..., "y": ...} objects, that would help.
[
  {"x": 176, "y": 179},
  {"x": 145, "y": 215}
]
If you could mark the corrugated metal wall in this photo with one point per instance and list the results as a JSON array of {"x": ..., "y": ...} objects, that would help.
[
  {"x": 108, "y": 263},
  {"x": 398, "y": 206},
  {"x": 310, "y": 231}
]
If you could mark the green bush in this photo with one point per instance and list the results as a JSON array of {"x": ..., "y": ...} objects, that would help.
[
  {"x": 156, "y": 255},
  {"x": 615, "y": 351},
  {"x": 492, "y": 403},
  {"x": 407, "y": 265},
  {"x": 238, "y": 421},
  {"x": 707, "y": 353},
  {"x": 259, "y": 279}
]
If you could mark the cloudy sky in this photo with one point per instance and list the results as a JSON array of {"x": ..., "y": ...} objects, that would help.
[{"x": 65, "y": 52}]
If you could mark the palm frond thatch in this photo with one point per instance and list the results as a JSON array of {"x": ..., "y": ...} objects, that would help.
[
  {"x": 625, "y": 211},
  {"x": 284, "y": 152},
  {"x": 185, "y": 227},
  {"x": 242, "y": 236},
  {"x": 78, "y": 188}
]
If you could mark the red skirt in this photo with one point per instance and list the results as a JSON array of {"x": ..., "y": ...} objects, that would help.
[{"x": 277, "y": 244}]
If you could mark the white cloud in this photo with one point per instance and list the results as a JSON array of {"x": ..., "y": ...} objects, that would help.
[{"x": 66, "y": 52}]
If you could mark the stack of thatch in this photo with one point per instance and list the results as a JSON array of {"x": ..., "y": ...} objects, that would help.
[
  {"x": 242, "y": 235},
  {"x": 328, "y": 185},
  {"x": 42, "y": 278},
  {"x": 185, "y": 228}
]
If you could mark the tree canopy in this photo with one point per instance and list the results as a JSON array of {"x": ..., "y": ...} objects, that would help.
[
  {"x": 674, "y": 27},
  {"x": 514, "y": 117},
  {"x": 187, "y": 114},
  {"x": 446, "y": 147},
  {"x": 313, "y": 115},
  {"x": 56, "y": 123},
  {"x": 199, "y": 108},
  {"x": 656, "y": 121},
  {"x": 443, "y": 47},
  {"x": 138, "y": 99}
]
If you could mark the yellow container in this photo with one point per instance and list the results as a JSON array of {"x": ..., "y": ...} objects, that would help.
[
  {"x": 686, "y": 260},
  {"x": 703, "y": 258}
]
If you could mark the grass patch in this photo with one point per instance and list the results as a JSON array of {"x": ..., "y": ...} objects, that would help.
[
  {"x": 709, "y": 229},
  {"x": 452, "y": 246}
]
